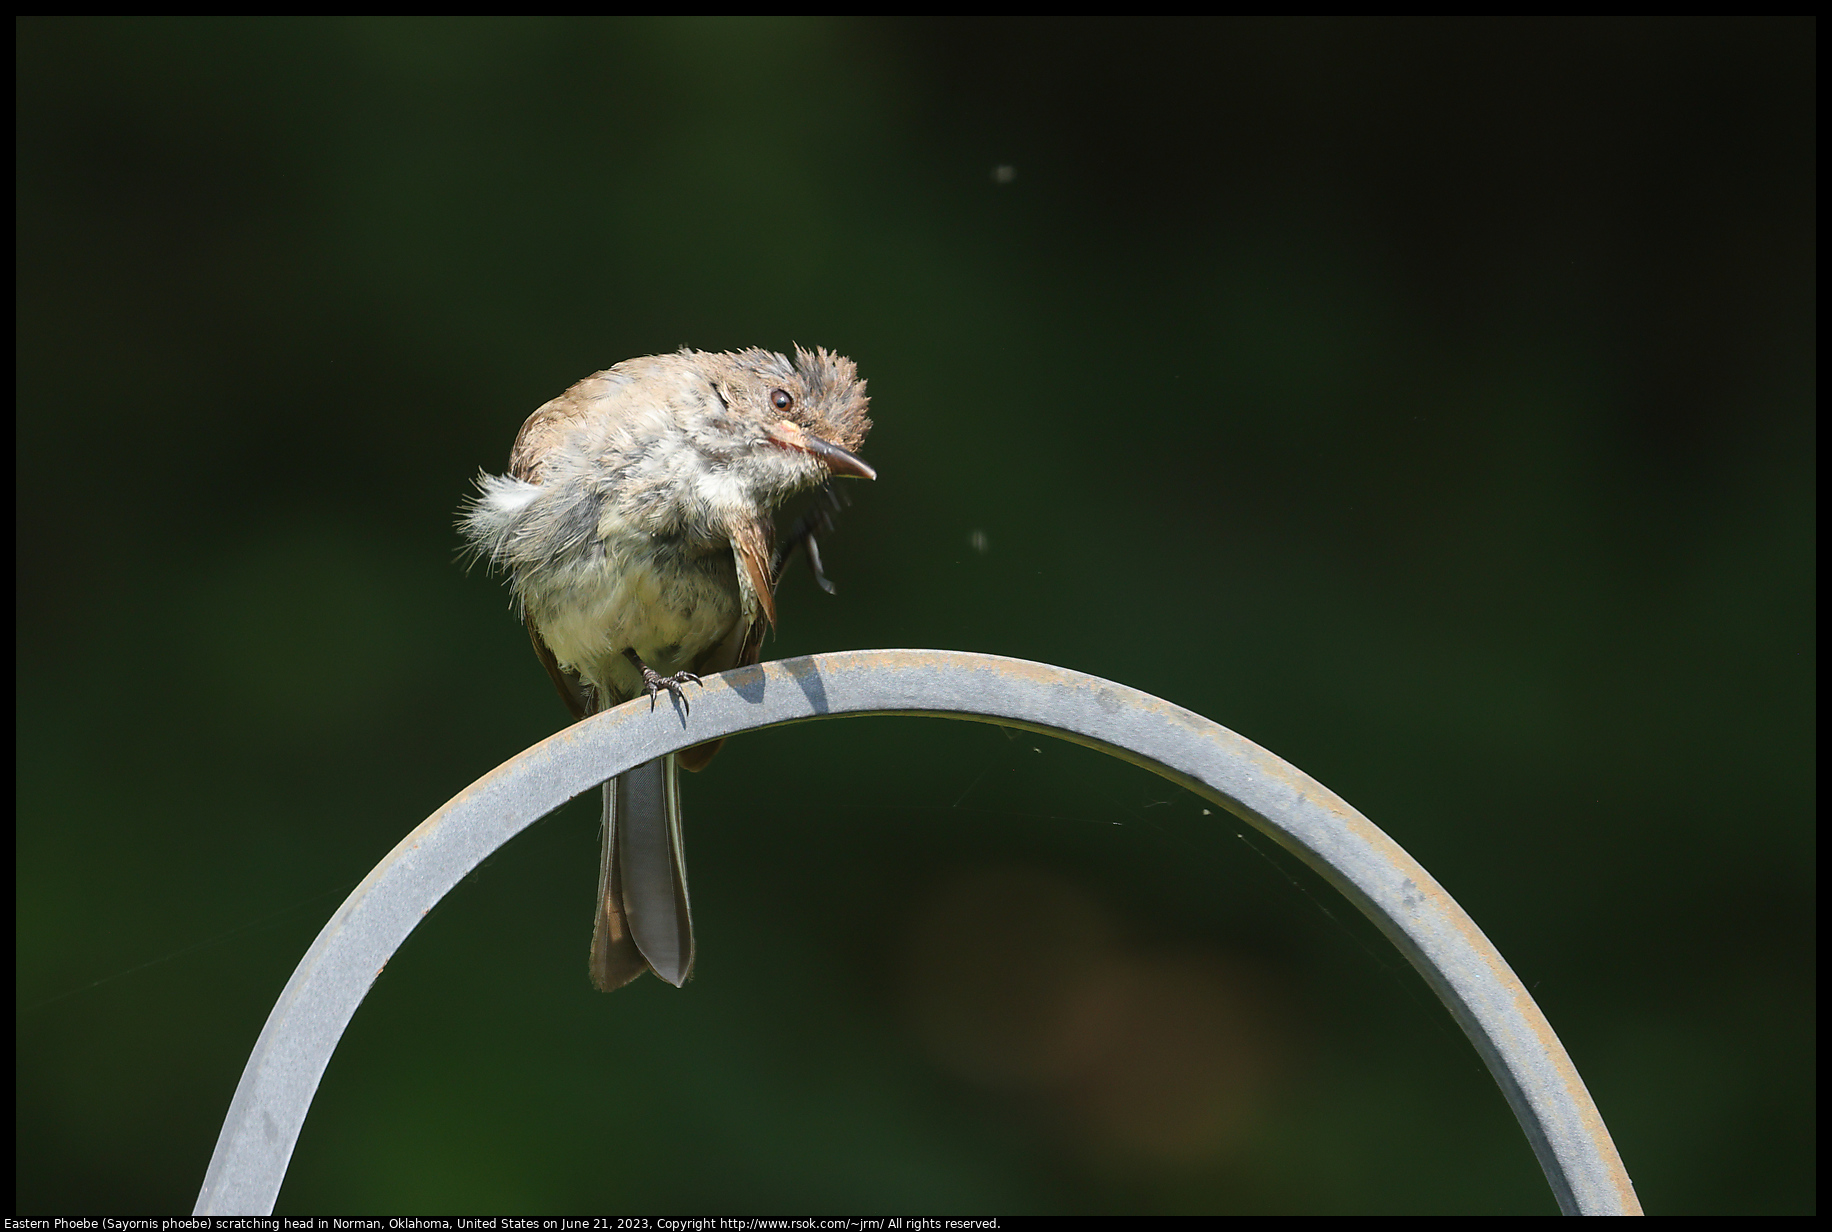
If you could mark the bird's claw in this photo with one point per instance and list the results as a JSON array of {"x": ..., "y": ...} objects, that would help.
[{"x": 654, "y": 682}]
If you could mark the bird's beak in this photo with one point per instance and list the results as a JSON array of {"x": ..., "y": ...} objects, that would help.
[{"x": 839, "y": 461}]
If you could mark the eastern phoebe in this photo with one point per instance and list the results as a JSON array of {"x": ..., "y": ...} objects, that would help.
[{"x": 635, "y": 525}]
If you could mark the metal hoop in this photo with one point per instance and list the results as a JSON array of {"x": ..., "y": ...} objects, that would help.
[{"x": 1390, "y": 887}]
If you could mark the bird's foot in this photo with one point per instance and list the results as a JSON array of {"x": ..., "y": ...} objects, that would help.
[
  {"x": 818, "y": 520},
  {"x": 654, "y": 682}
]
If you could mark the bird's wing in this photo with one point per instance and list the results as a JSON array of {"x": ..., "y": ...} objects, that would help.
[
  {"x": 577, "y": 695},
  {"x": 753, "y": 550}
]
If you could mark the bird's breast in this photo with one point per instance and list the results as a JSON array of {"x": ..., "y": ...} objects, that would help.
[{"x": 653, "y": 595}]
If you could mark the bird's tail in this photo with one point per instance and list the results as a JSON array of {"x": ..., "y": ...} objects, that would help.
[{"x": 644, "y": 922}]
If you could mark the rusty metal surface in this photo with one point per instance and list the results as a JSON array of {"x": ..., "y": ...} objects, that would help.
[{"x": 1416, "y": 914}]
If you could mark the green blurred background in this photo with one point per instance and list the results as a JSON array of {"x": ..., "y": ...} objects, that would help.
[{"x": 1431, "y": 403}]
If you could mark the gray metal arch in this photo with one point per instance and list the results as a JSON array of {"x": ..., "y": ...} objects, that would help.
[{"x": 1389, "y": 886}]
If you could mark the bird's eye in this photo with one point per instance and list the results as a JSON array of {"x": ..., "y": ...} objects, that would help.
[{"x": 781, "y": 399}]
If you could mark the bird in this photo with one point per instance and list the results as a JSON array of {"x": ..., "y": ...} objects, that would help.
[{"x": 636, "y": 528}]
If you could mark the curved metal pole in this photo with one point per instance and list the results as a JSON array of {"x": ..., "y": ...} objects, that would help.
[{"x": 1390, "y": 887}]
